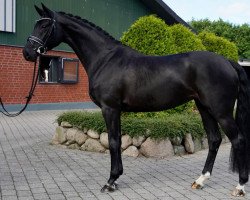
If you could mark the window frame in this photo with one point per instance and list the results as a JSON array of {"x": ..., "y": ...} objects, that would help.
[
  {"x": 62, "y": 72},
  {"x": 59, "y": 69}
]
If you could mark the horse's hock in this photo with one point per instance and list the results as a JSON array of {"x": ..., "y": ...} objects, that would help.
[{"x": 89, "y": 140}]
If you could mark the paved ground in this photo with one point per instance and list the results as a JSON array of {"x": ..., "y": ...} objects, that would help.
[{"x": 30, "y": 168}]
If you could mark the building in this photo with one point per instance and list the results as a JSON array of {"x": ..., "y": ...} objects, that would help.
[
  {"x": 62, "y": 81},
  {"x": 245, "y": 63}
]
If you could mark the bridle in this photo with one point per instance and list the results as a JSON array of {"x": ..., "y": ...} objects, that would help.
[{"x": 41, "y": 49}]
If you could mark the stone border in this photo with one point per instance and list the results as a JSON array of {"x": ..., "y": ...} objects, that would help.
[{"x": 90, "y": 140}]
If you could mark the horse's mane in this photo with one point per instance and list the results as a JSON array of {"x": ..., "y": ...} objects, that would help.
[{"x": 85, "y": 21}]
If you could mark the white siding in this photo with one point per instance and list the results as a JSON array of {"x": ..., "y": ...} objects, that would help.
[{"x": 8, "y": 15}]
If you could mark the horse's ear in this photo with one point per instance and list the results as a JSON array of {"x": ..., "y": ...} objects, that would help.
[
  {"x": 39, "y": 10},
  {"x": 47, "y": 11}
]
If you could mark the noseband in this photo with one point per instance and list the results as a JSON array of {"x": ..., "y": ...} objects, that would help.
[{"x": 42, "y": 49}]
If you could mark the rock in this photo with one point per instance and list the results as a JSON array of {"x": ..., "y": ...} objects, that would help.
[
  {"x": 54, "y": 140},
  {"x": 107, "y": 151},
  {"x": 176, "y": 141},
  {"x": 147, "y": 133},
  {"x": 65, "y": 124},
  {"x": 157, "y": 149},
  {"x": 188, "y": 143},
  {"x": 60, "y": 136},
  {"x": 137, "y": 141},
  {"x": 126, "y": 141},
  {"x": 179, "y": 150},
  {"x": 104, "y": 140},
  {"x": 74, "y": 146},
  {"x": 69, "y": 142},
  {"x": 85, "y": 130},
  {"x": 131, "y": 151},
  {"x": 92, "y": 145},
  {"x": 70, "y": 135},
  {"x": 204, "y": 143},
  {"x": 93, "y": 134},
  {"x": 80, "y": 137},
  {"x": 197, "y": 145}
]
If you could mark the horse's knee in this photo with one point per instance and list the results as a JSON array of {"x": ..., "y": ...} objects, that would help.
[{"x": 114, "y": 145}]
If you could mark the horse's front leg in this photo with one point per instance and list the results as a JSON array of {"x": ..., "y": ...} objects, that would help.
[{"x": 113, "y": 123}]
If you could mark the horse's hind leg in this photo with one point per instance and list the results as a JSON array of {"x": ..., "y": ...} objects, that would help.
[
  {"x": 214, "y": 141},
  {"x": 238, "y": 151}
]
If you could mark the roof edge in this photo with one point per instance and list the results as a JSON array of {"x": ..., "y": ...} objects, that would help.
[{"x": 165, "y": 12}]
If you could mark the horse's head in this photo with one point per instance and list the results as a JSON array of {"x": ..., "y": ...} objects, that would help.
[{"x": 45, "y": 36}]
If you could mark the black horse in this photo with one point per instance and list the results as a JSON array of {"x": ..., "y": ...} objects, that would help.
[{"x": 121, "y": 79}]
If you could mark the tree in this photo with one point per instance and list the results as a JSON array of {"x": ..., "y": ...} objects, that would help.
[
  {"x": 219, "y": 45},
  {"x": 239, "y": 34}
]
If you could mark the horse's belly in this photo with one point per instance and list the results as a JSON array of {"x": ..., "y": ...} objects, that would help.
[{"x": 154, "y": 102}]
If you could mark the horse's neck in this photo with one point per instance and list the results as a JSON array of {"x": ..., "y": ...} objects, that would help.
[{"x": 89, "y": 45}]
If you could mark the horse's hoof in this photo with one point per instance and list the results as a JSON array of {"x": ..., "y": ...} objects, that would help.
[
  {"x": 196, "y": 186},
  {"x": 238, "y": 193},
  {"x": 109, "y": 188}
]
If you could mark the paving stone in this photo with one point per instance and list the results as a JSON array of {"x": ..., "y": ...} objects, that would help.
[
  {"x": 30, "y": 168},
  {"x": 9, "y": 197}
]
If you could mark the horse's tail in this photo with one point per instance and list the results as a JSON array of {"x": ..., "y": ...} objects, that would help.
[{"x": 242, "y": 116}]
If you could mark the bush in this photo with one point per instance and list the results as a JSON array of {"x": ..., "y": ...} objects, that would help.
[
  {"x": 185, "y": 40},
  {"x": 219, "y": 45},
  {"x": 151, "y": 36},
  {"x": 158, "y": 128},
  {"x": 239, "y": 34}
]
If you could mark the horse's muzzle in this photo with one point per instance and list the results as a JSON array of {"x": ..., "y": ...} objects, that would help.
[{"x": 29, "y": 54}]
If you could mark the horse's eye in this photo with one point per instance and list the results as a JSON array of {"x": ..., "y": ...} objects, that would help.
[{"x": 43, "y": 26}]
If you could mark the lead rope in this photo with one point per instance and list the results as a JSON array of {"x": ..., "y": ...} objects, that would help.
[{"x": 31, "y": 93}]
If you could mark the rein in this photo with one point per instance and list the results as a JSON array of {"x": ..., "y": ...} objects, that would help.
[
  {"x": 28, "y": 98},
  {"x": 41, "y": 49}
]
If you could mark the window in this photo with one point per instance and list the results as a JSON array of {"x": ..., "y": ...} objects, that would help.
[
  {"x": 55, "y": 69},
  {"x": 70, "y": 70},
  {"x": 8, "y": 15}
]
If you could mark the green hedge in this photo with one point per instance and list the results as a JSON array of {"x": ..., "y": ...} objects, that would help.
[
  {"x": 162, "y": 127},
  {"x": 185, "y": 40},
  {"x": 219, "y": 45},
  {"x": 151, "y": 36}
]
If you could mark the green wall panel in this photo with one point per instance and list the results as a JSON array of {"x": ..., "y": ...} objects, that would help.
[{"x": 114, "y": 16}]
